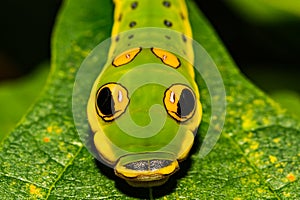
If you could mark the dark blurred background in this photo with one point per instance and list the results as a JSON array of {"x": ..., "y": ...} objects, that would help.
[
  {"x": 26, "y": 28},
  {"x": 262, "y": 36}
]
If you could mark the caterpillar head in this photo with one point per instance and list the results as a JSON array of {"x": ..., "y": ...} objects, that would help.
[{"x": 144, "y": 112}]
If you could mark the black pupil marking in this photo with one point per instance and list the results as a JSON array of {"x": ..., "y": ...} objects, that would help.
[
  {"x": 167, "y": 4},
  {"x": 134, "y": 5},
  {"x": 167, "y": 23},
  {"x": 148, "y": 165},
  {"x": 105, "y": 102},
  {"x": 132, "y": 24},
  {"x": 117, "y": 38},
  {"x": 186, "y": 103},
  {"x": 182, "y": 16},
  {"x": 120, "y": 17}
]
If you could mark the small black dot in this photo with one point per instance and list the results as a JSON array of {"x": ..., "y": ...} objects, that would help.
[
  {"x": 167, "y": 23},
  {"x": 134, "y": 5},
  {"x": 120, "y": 17},
  {"x": 168, "y": 37},
  {"x": 130, "y": 36},
  {"x": 182, "y": 16},
  {"x": 117, "y": 38},
  {"x": 184, "y": 38},
  {"x": 132, "y": 24},
  {"x": 167, "y": 4}
]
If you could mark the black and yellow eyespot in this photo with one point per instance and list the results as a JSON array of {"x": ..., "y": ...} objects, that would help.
[
  {"x": 126, "y": 57},
  {"x": 111, "y": 101},
  {"x": 180, "y": 102},
  {"x": 166, "y": 57}
]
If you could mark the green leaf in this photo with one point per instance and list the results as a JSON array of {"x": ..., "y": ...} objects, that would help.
[
  {"x": 266, "y": 11},
  {"x": 257, "y": 155},
  {"x": 16, "y": 96}
]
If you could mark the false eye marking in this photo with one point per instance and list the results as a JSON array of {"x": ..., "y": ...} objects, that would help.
[
  {"x": 111, "y": 101},
  {"x": 180, "y": 102},
  {"x": 166, "y": 57},
  {"x": 126, "y": 57}
]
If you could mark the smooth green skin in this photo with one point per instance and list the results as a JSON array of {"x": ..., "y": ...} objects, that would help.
[
  {"x": 141, "y": 101},
  {"x": 173, "y": 137}
]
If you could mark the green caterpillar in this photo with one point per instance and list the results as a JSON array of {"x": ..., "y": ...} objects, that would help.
[{"x": 116, "y": 101}]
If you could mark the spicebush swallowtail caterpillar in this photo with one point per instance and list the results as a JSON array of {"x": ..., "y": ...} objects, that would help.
[{"x": 144, "y": 108}]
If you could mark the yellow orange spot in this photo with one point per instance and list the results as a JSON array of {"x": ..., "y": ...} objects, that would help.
[
  {"x": 259, "y": 102},
  {"x": 291, "y": 177},
  {"x": 254, "y": 145},
  {"x": 276, "y": 140},
  {"x": 237, "y": 198},
  {"x": 266, "y": 121},
  {"x": 58, "y": 130},
  {"x": 35, "y": 191},
  {"x": 46, "y": 139},
  {"x": 248, "y": 123},
  {"x": 250, "y": 134},
  {"x": 54, "y": 128},
  {"x": 258, "y": 154},
  {"x": 273, "y": 159},
  {"x": 49, "y": 129},
  {"x": 166, "y": 57},
  {"x": 280, "y": 170},
  {"x": 260, "y": 190},
  {"x": 126, "y": 57},
  {"x": 229, "y": 98},
  {"x": 286, "y": 194}
]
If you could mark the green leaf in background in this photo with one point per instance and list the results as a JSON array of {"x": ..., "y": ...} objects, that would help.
[
  {"x": 266, "y": 11},
  {"x": 17, "y": 96},
  {"x": 289, "y": 100},
  {"x": 257, "y": 156}
]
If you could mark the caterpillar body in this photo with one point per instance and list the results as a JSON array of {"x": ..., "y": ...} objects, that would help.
[{"x": 145, "y": 148}]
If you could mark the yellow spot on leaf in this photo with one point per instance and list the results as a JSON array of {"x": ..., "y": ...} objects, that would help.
[
  {"x": 259, "y": 102},
  {"x": 266, "y": 121},
  {"x": 250, "y": 135},
  {"x": 54, "y": 128},
  {"x": 291, "y": 177},
  {"x": 35, "y": 191},
  {"x": 229, "y": 98},
  {"x": 276, "y": 140},
  {"x": 248, "y": 121},
  {"x": 237, "y": 198},
  {"x": 69, "y": 155},
  {"x": 49, "y": 129},
  {"x": 46, "y": 139},
  {"x": 280, "y": 170},
  {"x": 273, "y": 159},
  {"x": 286, "y": 194},
  {"x": 248, "y": 124},
  {"x": 254, "y": 145},
  {"x": 58, "y": 130},
  {"x": 260, "y": 190},
  {"x": 258, "y": 154}
]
